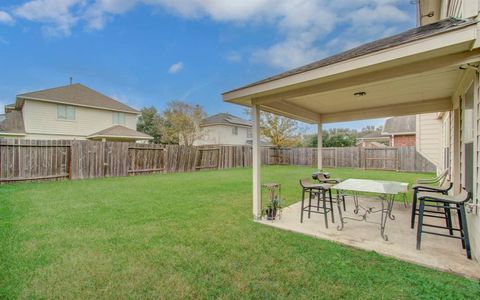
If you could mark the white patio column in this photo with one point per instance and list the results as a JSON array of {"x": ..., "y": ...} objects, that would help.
[
  {"x": 256, "y": 163},
  {"x": 319, "y": 146}
]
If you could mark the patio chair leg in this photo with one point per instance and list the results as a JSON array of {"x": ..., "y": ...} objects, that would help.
[
  {"x": 325, "y": 214},
  {"x": 303, "y": 201},
  {"x": 309, "y": 203},
  {"x": 414, "y": 208},
  {"x": 331, "y": 205},
  {"x": 463, "y": 220},
  {"x": 344, "y": 205},
  {"x": 460, "y": 224},
  {"x": 420, "y": 224},
  {"x": 448, "y": 219}
]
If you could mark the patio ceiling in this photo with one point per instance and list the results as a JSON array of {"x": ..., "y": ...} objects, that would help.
[{"x": 417, "y": 76}]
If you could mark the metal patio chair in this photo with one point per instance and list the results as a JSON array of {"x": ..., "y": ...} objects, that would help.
[
  {"x": 434, "y": 199},
  {"x": 324, "y": 177},
  {"x": 443, "y": 189},
  {"x": 318, "y": 190}
]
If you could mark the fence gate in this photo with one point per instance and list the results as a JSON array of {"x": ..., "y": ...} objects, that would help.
[
  {"x": 381, "y": 159},
  {"x": 279, "y": 156}
]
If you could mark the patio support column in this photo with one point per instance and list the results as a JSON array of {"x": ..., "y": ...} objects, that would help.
[
  {"x": 319, "y": 146},
  {"x": 256, "y": 162}
]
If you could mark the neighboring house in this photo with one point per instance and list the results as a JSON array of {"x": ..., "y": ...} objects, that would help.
[
  {"x": 428, "y": 138},
  {"x": 225, "y": 129},
  {"x": 373, "y": 140},
  {"x": 400, "y": 130},
  {"x": 70, "y": 112}
]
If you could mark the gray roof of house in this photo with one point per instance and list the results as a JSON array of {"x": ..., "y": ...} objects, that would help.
[
  {"x": 13, "y": 123},
  {"x": 373, "y": 135},
  {"x": 411, "y": 35},
  {"x": 403, "y": 124},
  {"x": 120, "y": 131},
  {"x": 78, "y": 94},
  {"x": 2, "y": 117},
  {"x": 225, "y": 119}
]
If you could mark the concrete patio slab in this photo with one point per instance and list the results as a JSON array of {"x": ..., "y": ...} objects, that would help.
[{"x": 437, "y": 252}]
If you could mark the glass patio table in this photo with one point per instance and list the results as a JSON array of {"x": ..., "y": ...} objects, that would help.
[{"x": 386, "y": 190}]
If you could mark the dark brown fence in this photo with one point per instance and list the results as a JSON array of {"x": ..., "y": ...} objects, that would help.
[{"x": 22, "y": 160}]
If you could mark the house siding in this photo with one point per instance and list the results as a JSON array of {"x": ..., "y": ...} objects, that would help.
[
  {"x": 429, "y": 129},
  {"x": 222, "y": 134},
  {"x": 41, "y": 121}
]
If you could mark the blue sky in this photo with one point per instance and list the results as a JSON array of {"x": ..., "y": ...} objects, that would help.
[{"x": 148, "y": 52}]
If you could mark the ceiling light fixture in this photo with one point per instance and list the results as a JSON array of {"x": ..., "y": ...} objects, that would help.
[{"x": 359, "y": 94}]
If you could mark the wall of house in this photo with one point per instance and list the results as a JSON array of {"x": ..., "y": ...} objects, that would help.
[
  {"x": 429, "y": 131},
  {"x": 223, "y": 134},
  {"x": 403, "y": 140},
  {"x": 456, "y": 123},
  {"x": 41, "y": 121}
]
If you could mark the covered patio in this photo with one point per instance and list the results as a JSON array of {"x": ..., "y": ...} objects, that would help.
[
  {"x": 423, "y": 70},
  {"x": 437, "y": 252}
]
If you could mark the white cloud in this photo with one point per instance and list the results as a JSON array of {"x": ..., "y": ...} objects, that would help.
[
  {"x": 5, "y": 18},
  {"x": 234, "y": 57},
  {"x": 57, "y": 15},
  {"x": 304, "y": 25},
  {"x": 175, "y": 68}
]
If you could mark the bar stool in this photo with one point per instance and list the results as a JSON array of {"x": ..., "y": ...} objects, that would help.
[
  {"x": 324, "y": 177},
  {"x": 447, "y": 203},
  {"x": 443, "y": 189},
  {"x": 318, "y": 190}
]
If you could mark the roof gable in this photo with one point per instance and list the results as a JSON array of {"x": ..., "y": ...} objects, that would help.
[
  {"x": 78, "y": 94},
  {"x": 225, "y": 119},
  {"x": 403, "y": 124}
]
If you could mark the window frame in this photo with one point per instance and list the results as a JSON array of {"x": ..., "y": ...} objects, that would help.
[
  {"x": 116, "y": 118},
  {"x": 66, "y": 108}
]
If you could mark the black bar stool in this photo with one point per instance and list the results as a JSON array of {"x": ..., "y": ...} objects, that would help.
[
  {"x": 432, "y": 199},
  {"x": 324, "y": 177},
  {"x": 443, "y": 189},
  {"x": 318, "y": 190}
]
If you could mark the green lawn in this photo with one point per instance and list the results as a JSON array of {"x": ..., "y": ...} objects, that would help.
[{"x": 188, "y": 236}]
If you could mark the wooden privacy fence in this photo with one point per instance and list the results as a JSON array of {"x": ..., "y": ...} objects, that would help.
[{"x": 34, "y": 160}]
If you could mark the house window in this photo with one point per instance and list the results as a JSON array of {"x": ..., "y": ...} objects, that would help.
[
  {"x": 65, "y": 112},
  {"x": 118, "y": 118},
  {"x": 249, "y": 133},
  {"x": 235, "y": 130}
]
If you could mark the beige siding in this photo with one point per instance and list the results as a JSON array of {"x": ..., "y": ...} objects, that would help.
[
  {"x": 222, "y": 134},
  {"x": 429, "y": 142},
  {"x": 41, "y": 120}
]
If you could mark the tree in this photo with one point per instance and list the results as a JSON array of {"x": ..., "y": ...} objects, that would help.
[
  {"x": 182, "y": 123},
  {"x": 151, "y": 123},
  {"x": 370, "y": 129},
  {"x": 335, "y": 137},
  {"x": 281, "y": 131}
]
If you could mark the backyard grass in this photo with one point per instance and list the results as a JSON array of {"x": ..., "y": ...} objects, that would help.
[{"x": 188, "y": 236}]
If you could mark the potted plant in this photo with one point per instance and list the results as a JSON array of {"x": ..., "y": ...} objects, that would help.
[{"x": 273, "y": 208}]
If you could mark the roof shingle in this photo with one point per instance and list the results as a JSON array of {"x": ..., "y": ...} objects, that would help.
[
  {"x": 411, "y": 35},
  {"x": 78, "y": 94}
]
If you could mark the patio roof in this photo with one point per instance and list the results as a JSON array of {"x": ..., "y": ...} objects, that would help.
[{"x": 413, "y": 72}]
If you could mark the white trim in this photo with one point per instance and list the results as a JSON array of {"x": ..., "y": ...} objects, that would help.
[
  {"x": 256, "y": 164},
  {"x": 137, "y": 113},
  {"x": 118, "y": 137},
  {"x": 231, "y": 124},
  {"x": 12, "y": 134}
]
